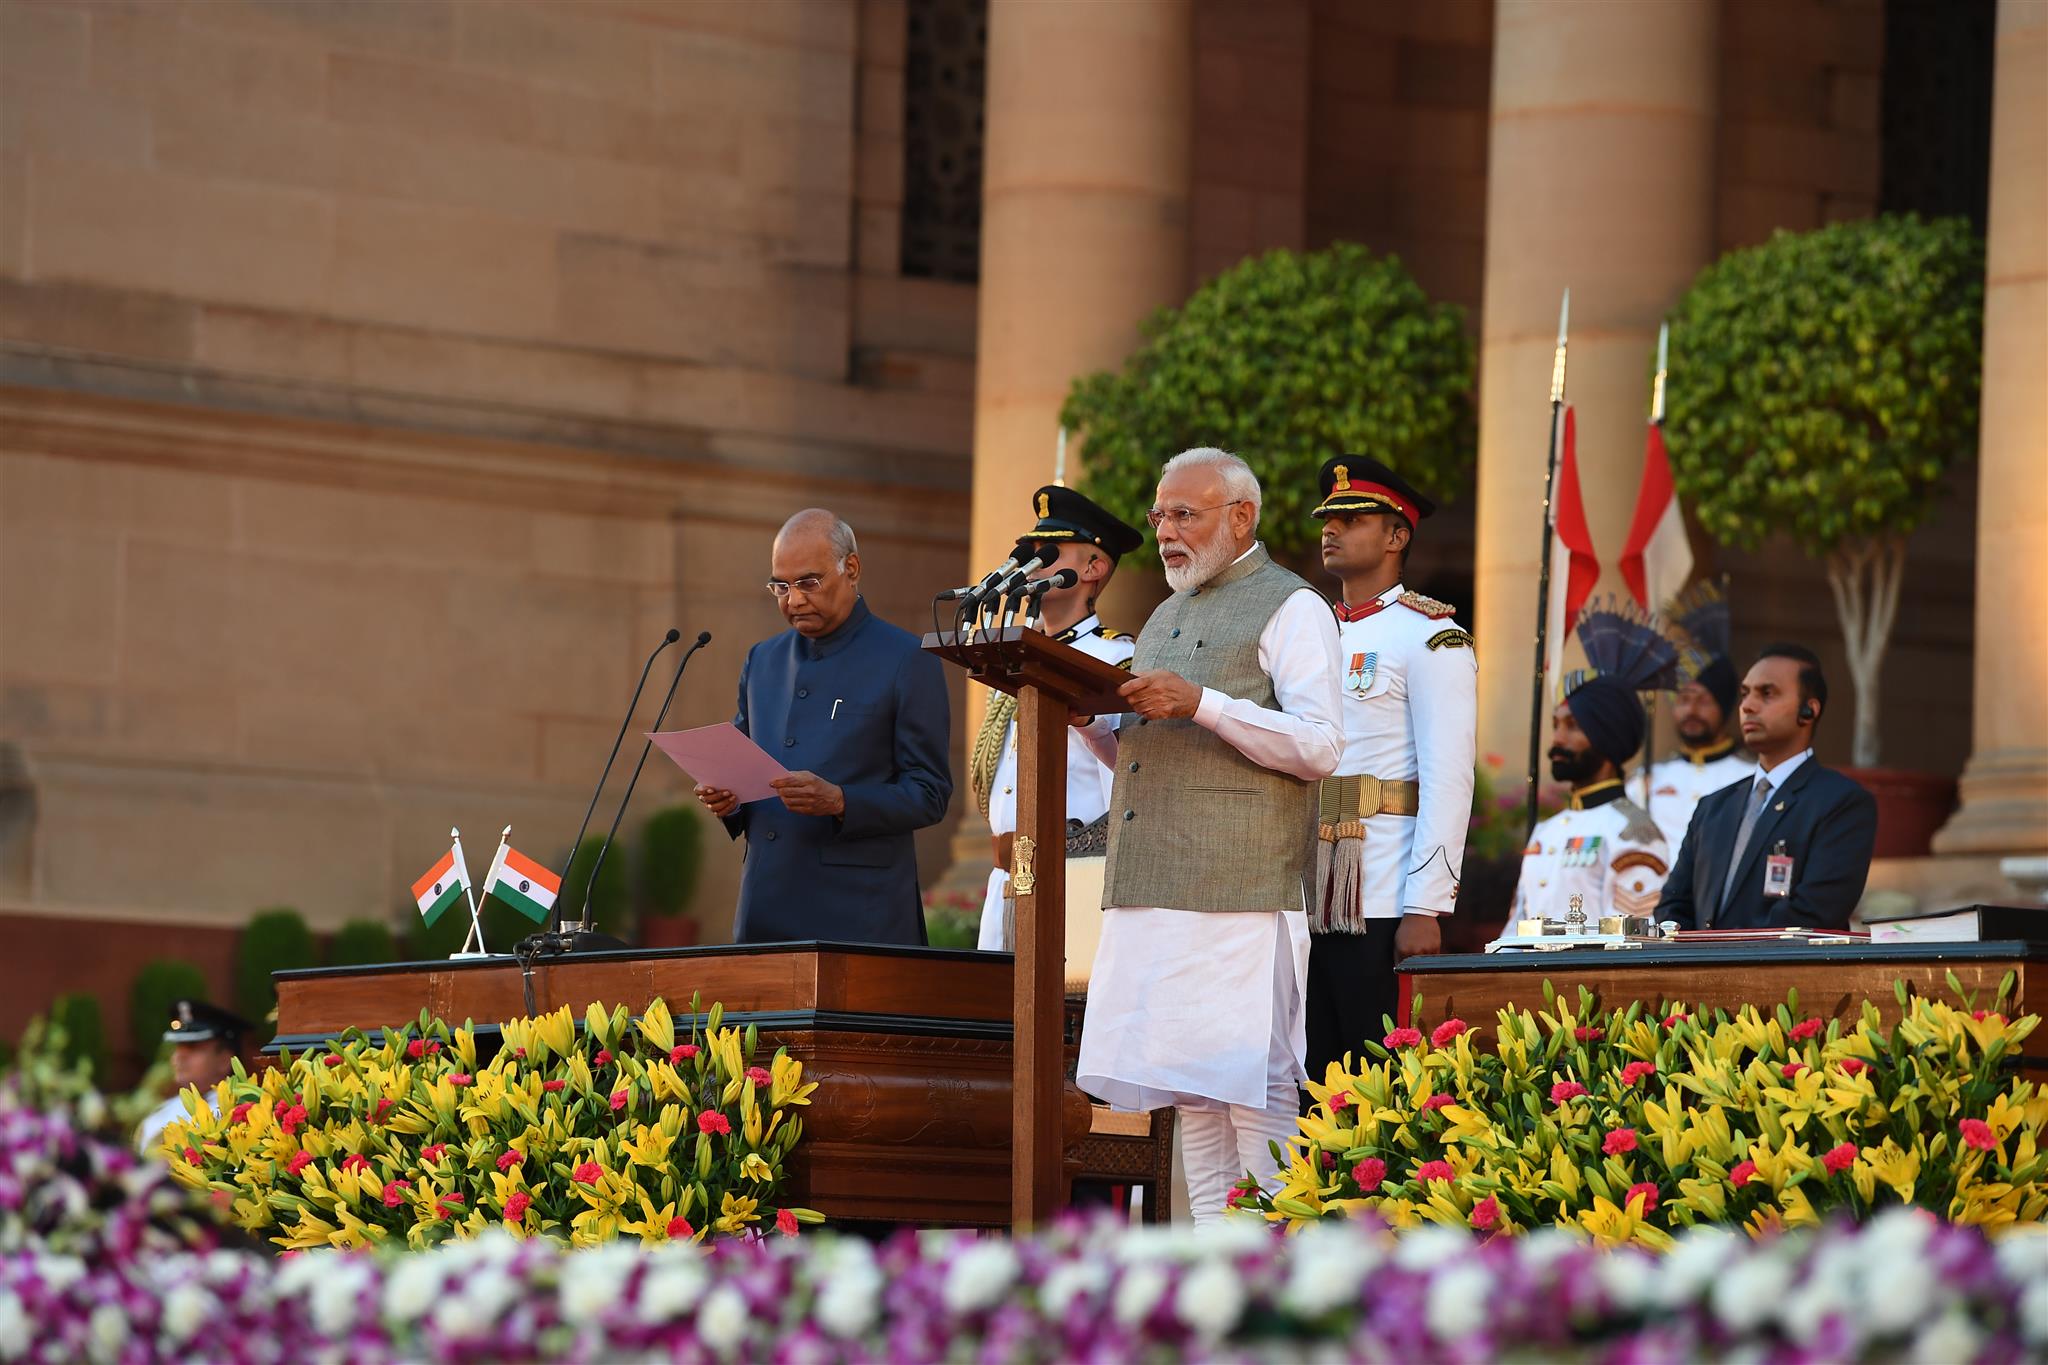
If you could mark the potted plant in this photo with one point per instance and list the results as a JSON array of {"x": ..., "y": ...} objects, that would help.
[
  {"x": 1821, "y": 385},
  {"x": 1287, "y": 359}
]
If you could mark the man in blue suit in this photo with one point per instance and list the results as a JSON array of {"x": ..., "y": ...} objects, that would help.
[
  {"x": 1789, "y": 848},
  {"x": 864, "y": 710}
]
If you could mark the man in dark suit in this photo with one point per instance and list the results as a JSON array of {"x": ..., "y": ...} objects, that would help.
[
  {"x": 853, "y": 698},
  {"x": 1791, "y": 847}
]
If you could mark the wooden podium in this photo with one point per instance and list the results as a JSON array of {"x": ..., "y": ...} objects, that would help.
[{"x": 1052, "y": 682}]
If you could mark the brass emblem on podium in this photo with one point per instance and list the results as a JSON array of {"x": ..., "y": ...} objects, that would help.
[{"x": 1022, "y": 881}]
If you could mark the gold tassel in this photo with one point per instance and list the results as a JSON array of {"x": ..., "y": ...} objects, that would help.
[{"x": 1340, "y": 872}]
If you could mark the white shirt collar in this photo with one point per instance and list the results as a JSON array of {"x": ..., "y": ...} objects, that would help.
[
  {"x": 1240, "y": 559},
  {"x": 1777, "y": 776}
]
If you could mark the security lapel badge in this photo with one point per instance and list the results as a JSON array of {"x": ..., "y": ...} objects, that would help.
[{"x": 1358, "y": 677}]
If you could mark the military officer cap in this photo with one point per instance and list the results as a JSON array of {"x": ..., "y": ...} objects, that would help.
[
  {"x": 1067, "y": 516},
  {"x": 195, "y": 1021},
  {"x": 1352, "y": 483}
]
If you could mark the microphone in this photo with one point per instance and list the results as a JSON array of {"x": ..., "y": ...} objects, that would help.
[
  {"x": 666, "y": 640},
  {"x": 1065, "y": 578},
  {"x": 582, "y": 930},
  {"x": 1016, "y": 576},
  {"x": 1030, "y": 597},
  {"x": 952, "y": 594}
]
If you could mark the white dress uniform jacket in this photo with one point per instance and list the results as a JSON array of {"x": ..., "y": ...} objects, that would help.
[
  {"x": 1088, "y": 784},
  {"x": 1410, "y": 685},
  {"x": 1610, "y": 853},
  {"x": 172, "y": 1110},
  {"x": 1671, "y": 790}
]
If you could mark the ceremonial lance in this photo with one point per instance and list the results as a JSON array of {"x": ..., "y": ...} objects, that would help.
[
  {"x": 1656, "y": 420},
  {"x": 1543, "y": 559}
]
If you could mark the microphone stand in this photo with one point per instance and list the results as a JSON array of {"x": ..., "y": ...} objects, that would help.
[
  {"x": 666, "y": 640},
  {"x": 578, "y": 936}
]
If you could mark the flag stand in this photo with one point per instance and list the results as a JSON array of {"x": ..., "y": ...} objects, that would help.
[{"x": 476, "y": 924}]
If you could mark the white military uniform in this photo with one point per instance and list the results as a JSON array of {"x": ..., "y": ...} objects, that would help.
[
  {"x": 1410, "y": 680},
  {"x": 1088, "y": 786},
  {"x": 171, "y": 1111},
  {"x": 1603, "y": 848},
  {"x": 1671, "y": 790}
]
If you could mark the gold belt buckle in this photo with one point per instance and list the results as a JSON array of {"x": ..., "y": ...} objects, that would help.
[{"x": 1369, "y": 795}]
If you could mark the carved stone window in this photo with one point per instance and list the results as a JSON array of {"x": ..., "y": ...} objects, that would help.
[{"x": 945, "y": 74}]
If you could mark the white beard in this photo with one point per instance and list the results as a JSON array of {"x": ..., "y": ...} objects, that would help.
[{"x": 1202, "y": 564}]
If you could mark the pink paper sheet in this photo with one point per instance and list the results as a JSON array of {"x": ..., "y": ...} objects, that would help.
[{"x": 720, "y": 756}]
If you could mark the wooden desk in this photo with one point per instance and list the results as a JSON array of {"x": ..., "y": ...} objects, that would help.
[
  {"x": 1832, "y": 981},
  {"x": 911, "y": 1048}
]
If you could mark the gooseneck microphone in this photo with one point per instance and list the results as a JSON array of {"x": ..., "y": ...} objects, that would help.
[
  {"x": 631, "y": 706},
  {"x": 583, "y": 928},
  {"x": 1011, "y": 581}
]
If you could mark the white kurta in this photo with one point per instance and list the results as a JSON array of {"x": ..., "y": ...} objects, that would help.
[
  {"x": 1671, "y": 790},
  {"x": 1088, "y": 783},
  {"x": 1183, "y": 1002}
]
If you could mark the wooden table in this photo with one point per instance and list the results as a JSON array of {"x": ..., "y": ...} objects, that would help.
[
  {"x": 911, "y": 1048},
  {"x": 1833, "y": 981}
]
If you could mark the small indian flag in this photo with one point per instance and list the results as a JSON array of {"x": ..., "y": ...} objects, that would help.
[
  {"x": 442, "y": 886},
  {"x": 523, "y": 884}
]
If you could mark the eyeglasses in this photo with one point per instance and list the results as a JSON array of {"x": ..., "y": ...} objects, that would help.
[
  {"x": 808, "y": 585},
  {"x": 1183, "y": 517}
]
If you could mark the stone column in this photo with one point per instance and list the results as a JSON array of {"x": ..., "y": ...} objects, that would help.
[
  {"x": 1600, "y": 177},
  {"x": 1084, "y": 223},
  {"x": 2005, "y": 786}
]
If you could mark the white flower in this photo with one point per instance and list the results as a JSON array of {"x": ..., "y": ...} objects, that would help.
[
  {"x": 1138, "y": 1293},
  {"x": 1457, "y": 1298},
  {"x": 1067, "y": 1281},
  {"x": 59, "y": 1273},
  {"x": 14, "y": 1327},
  {"x": 850, "y": 1289},
  {"x": 470, "y": 1309},
  {"x": 1747, "y": 1290},
  {"x": 413, "y": 1285},
  {"x": 1426, "y": 1248},
  {"x": 1895, "y": 1294},
  {"x": 1692, "y": 1266},
  {"x": 1327, "y": 1264},
  {"x": 1211, "y": 1299},
  {"x": 338, "y": 1290},
  {"x": 593, "y": 1280},
  {"x": 185, "y": 1311},
  {"x": 1950, "y": 1337},
  {"x": 722, "y": 1322},
  {"x": 1627, "y": 1278},
  {"x": 106, "y": 1332},
  {"x": 671, "y": 1287},
  {"x": 979, "y": 1277}
]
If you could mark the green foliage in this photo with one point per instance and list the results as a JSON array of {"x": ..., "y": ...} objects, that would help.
[
  {"x": 157, "y": 988},
  {"x": 275, "y": 940},
  {"x": 503, "y": 928},
  {"x": 951, "y": 920},
  {"x": 671, "y": 859},
  {"x": 364, "y": 941},
  {"x": 76, "y": 1017},
  {"x": 1287, "y": 359},
  {"x": 611, "y": 905},
  {"x": 1821, "y": 382}
]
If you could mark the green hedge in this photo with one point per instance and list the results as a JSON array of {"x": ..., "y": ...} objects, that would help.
[
  {"x": 275, "y": 940},
  {"x": 157, "y": 988}
]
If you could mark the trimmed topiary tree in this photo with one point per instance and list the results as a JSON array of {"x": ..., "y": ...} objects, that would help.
[
  {"x": 671, "y": 859},
  {"x": 1820, "y": 385},
  {"x": 1287, "y": 359},
  {"x": 77, "y": 1015},
  {"x": 157, "y": 988},
  {"x": 274, "y": 940},
  {"x": 365, "y": 941}
]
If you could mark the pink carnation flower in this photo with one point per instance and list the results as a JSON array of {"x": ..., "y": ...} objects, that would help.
[
  {"x": 331, "y": 1059},
  {"x": 1369, "y": 1173},
  {"x": 711, "y": 1121},
  {"x": 603, "y": 1057},
  {"x": 1744, "y": 1172},
  {"x": 618, "y": 1100},
  {"x": 416, "y": 1049},
  {"x": 1791, "y": 1069},
  {"x": 1485, "y": 1214},
  {"x": 1618, "y": 1140},
  {"x": 785, "y": 1222},
  {"x": 1635, "y": 1071},
  {"x": 1403, "y": 1037},
  {"x": 1339, "y": 1099},
  {"x": 1444, "y": 1032},
  {"x": 552, "y": 1085},
  {"x": 516, "y": 1205},
  {"x": 433, "y": 1153},
  {"x": 682, "y": 1052},
  {"x": 1977, "y": 1133},
  {"x": 508, "y": 1159},
  {"x": 1647, "y": 1190},
  {"x": 241, "y": 1111},
  {"x": 1839, "y": 1159},
  {"x": 1806, "y": 1028},
  {"x": 1855, "y": 1066},
  {"x": 588, "y": 1173},
  {"x": 679, "y": 1230},
  {"x": 1674, "y": 1019},
  {"x": 1435, "y": 1170},
  {"x": 1437, "y": 1101},
  {"x": 355, "y": 1161},
  {"x": 393, "y": 1195},
  {"x": 759, "y": 1076},
  {"x": 460, "y": 1078},
  {"x": 1586, "y": 1033},
  {"x": 192, "y": 1157},
  {"x": 1566, "y": 1090}
]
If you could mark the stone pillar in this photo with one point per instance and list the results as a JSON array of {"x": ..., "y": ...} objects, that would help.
[
  {"x": 2005, "y": 786},
  {"x": 1084, "y": 223},
  {"x": 1600, "y": 177}
]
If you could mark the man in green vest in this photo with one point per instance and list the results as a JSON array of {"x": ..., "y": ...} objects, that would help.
[{"x": 1196, "y": 996}]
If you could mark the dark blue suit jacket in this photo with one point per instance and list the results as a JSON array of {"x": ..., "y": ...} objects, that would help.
[
  {"x": 865, "y": 709},
  {"x": 1827, "y": 823}
]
